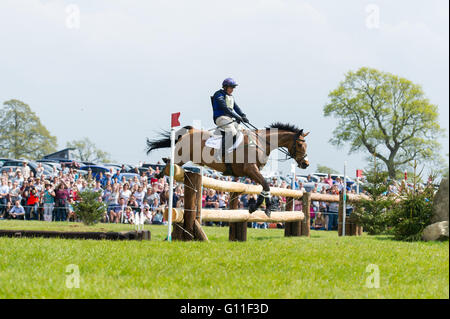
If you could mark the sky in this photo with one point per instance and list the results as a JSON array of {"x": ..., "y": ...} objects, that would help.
[{"x": 114, "y": 70}]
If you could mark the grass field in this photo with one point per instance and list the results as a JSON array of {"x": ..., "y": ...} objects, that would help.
[{"x": 266, "y": 266}]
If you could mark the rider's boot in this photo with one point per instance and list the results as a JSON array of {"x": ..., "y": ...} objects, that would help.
[
  {"x": 268, "y": 200},
  {"x": 253, "y": 207},
  {"x": 223, "y": 145}
]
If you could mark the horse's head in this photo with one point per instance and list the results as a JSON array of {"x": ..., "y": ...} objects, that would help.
[{"x": 298, "y": 151}]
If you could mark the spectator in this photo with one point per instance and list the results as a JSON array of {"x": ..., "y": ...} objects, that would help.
[
  {"x": 328, "y": 180},
  {"x": 301, "y": 187},
  {"x": 49, "y": 202},
  {"x": 128, "y": 216},
  {"x": 223, "y": 200},
  {"x": 157, "y": 218},
  {"x": 19, "y": 177},
  {"x": 135, "y": 206},
  {"x": 319, "y": 222},
  {"x": 25, "y": 170},
  {"x": 39, "y": 170},
  {"x": 98, "y": 187},
  {"x": 14, "y": 192},
  {"x": 139, "y": 195},
  {"x": 4, "y": 193},
  {"x": 244, "y": 200},
  {"x": 204, "y": 194},
  {"x": 146, "y": 213},
  {"x": 212, "y": 200},
  {"x": 126, "y": 192},
  {"x": 340, "y": 184},
  {"x": 333, "y": 209},
  {"x": 32, "y": 204},
  {"x": 71, "y": 215},
  {"x": 17, "y": 211},
  {"x": 61, "y": 198}
]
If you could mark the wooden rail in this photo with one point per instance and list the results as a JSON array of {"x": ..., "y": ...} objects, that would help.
[{"x": 187, "y": 221}]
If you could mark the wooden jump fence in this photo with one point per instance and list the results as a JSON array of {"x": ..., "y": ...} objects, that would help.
[{"x": 187, "y": 221}]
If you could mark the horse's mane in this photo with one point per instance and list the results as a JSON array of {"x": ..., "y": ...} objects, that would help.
[{"x": 285, "y": 127}]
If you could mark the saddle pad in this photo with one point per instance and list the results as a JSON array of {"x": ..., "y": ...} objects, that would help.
[{"x": 215, "y": 142}]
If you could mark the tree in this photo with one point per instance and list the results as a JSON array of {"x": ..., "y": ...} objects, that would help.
[
  {"x": 414, "y": 211},
  {"x": 386, "y": 115},
  {"x": 88, "y": 151},
  {"x": 374, "y": 213},
  {"x": 89, "y": 208},
  {"x": 22, "y": 135},
  {"x": 325, "y": 170}
]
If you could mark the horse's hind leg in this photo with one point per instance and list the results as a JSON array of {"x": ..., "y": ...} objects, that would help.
[{"x": 252, "y": 171}]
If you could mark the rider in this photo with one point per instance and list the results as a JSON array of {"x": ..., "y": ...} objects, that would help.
[
  {"x": 225, "y": 108},
  {"x": 227, "y": 115}
]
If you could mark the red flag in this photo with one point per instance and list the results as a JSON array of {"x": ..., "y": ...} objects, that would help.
[
  {"x": 359, "y": 173},
  {"x": 175, "y": 121}
]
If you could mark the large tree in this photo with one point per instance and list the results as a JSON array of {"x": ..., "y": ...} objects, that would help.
[
  {"x": 87, "y": 151},
  {"x": 22, "y": 135},
  {"x": 325, "y": 169},
  {"x": 385, "y": 115}
]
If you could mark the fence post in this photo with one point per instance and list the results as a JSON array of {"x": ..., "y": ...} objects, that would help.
[
  {"x": 237, "y": 231},
  {"x": 292, "y": 228},
  {"x": 190, "y": 228},
  {"x": 351, "y": 229},
  {"x": 340, "y": 215},
  {"x": 306, "y": 223}
]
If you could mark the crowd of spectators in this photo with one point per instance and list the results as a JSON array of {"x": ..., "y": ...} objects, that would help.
[
  {"x": 29, "y": 197},
  {"x": 24, "y": 195}
]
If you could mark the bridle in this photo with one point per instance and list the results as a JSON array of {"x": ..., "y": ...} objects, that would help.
[{"x": 289, "y": 153}]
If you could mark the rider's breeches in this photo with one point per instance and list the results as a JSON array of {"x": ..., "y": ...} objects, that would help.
[{"x": 225, "y": 123}]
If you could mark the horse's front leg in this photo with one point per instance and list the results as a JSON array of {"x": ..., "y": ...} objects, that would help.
[{"x": 252, "y": 171}]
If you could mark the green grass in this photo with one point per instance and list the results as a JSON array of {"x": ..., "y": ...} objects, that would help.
[{"x": 266, "y": 266}]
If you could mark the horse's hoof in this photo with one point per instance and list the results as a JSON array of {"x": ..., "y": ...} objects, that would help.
[
  {"x": 268, "y": 212},
  {"x": 251, "y": 208}
]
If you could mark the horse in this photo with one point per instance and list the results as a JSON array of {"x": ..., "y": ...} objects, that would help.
[{"x": 259, "y": 143}]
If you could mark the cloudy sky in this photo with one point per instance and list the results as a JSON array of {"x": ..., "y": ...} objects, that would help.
[{"x": 114, "y": 70}]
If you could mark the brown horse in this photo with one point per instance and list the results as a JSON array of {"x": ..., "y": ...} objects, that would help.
[{"x": 245, "y": 160}]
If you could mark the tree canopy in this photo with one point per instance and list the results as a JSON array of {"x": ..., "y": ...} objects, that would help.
[
  {"x": 325, "y": 169},
  {"x": 87, "y": 151},
  {"x": 22, "y": 135},
  {"x": 385, "y": 115}
]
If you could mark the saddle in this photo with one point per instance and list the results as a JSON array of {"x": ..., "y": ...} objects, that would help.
[{"x": 218, "y": 141}]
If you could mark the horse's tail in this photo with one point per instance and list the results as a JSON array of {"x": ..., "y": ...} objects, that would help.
[{"x": 164, "y": 140}]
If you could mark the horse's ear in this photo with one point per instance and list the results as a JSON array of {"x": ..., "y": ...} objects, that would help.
[{"x": 306, "y": 134}]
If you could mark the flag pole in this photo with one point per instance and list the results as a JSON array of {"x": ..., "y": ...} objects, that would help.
[
  {"x": 172, "y": 155},
  {"x": 174, "y": 122},
  {"x": 293, "y": 184}
]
